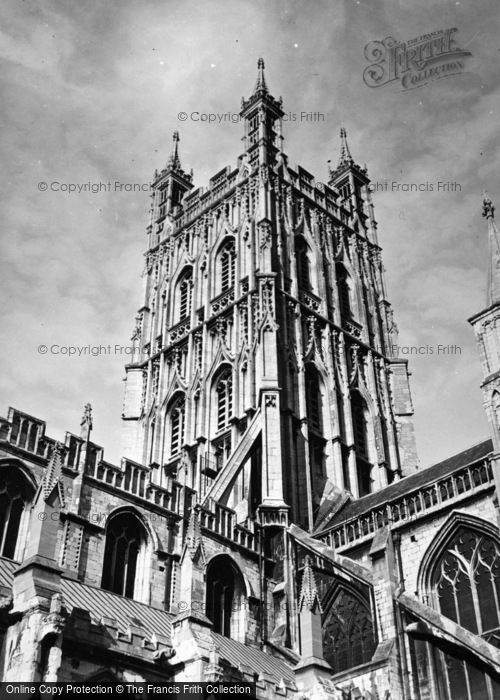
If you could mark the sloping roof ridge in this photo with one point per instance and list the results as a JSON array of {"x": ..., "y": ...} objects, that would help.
[
  {"x": 371, "y": 500},
  {"x": 104, "y": 591}
]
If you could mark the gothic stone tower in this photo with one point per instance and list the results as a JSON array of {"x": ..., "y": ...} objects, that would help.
[
  {"x": 265, "y": 373},
  {"x": 486, "y": 325}
]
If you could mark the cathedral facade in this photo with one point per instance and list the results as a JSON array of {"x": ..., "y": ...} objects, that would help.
[{"x": 269, "y": 521}]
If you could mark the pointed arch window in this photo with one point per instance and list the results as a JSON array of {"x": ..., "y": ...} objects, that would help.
[
  {"x": 348, "y": 635},
  {"x": 14, "y": 503},
  {"x": 359, "y": 411},
  {"x": 466, "y": 589},
  {"x": 314, "y": 398},
  {"x": 177, "y": 425},
  {"x": 344, "y": 291},
  {"x": 359, "y": 424},
  {"x": 224, "y": 398},
  {"x": 303, "y": 264},
  {"x": 184, "y": 295},
  {"x": 226, "y": 598},
  {"x": 125, "y": 556},
  {"x": 227, "y": 266}
]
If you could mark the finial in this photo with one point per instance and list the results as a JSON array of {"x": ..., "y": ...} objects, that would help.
[
  {"x": 345, "y": 154},
  {"x": 87, "y": 416},
  {"x": 488, "y": 206},
  {"x": 261, "y": 80}
]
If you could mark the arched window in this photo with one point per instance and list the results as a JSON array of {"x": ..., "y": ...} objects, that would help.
[
  {"x": 303, "y": 264},
  {"x": 184, "y": 295},
  {"x": 13, "y": 505},
  {"x": 227, "y": 266},
  {"x": 344, "y": 291},
  {"x": 359, "y": 412},
  {"x": 125, "y": 556},
  {"x": 314, "y": 399},
  {"x": 316, "y": 439},
  {"x": 226, "y": 598},
  {"x": 177, "y": 425},
  {"x": 466, "y": 587},
  {"x": 224, "y": 397},
  {"x": 348, "y": 638}
]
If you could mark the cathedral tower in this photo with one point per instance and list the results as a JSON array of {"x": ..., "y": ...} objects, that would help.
[
  {"x": 265, "y": 373},
  {"x": 486, "y": 325}
]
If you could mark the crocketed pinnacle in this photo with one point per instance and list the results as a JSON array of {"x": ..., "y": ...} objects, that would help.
[
  {"x": 345, "y": 154},
  {"x": 174, "y": 161},
  {"x": 308, "y": 591},
  {"x": 261, "y": 80},
  {"x": 52, "y": 475}
]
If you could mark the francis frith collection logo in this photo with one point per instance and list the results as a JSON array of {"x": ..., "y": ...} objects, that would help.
[{"x": 415, "y": 62}]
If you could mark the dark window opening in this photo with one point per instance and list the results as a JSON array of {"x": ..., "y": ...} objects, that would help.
[
  {"x": 225, "y": 598},
  {"x": 303, "y": 265},
  {"x": 12, "y": 503},
  {"x": 344, "y": 292}
]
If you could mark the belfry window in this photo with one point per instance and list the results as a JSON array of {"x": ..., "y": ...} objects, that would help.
[
  {"x": 359, "y": 413},
  {"x": 348, "y": 638},
  {"x": 303, "y": 264},
  {"x": 227, "y": 266},
  {"x": 359, "y": 425},
  {"x": 466, "y": 585},
  {"x": 314, "y": 399},
  {"x": 13, "y": 504},
  {"x": 184, "y": 295},
  {"x": 177, "y": 425},
  {"x": 224, "y": 394},
  {"x": 124, "y": 556},
  {"x": 344, "y": 292}
]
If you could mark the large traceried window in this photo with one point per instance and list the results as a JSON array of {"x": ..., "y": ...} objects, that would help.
[
  {"x": 227, "y": 266},
  {"x": 224, "y": 398},
  {"x": 184, "y": 295},
  {"x": 13, "y": 510},
  {"x": 466, "y": 587},
  {"x": 125, "y": 556},
  {"x": 348, "y": 637}
]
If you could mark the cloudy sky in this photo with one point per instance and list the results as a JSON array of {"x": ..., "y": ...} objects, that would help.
[{"x": 92, "y": 92}]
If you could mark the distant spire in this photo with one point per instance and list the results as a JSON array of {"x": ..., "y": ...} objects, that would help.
[
  {"x": 174, "y": 160},
  {"x": 493, "y": 291},
  {"x": 345, "y": 154},
  {"x": 261, "y": 80}
]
